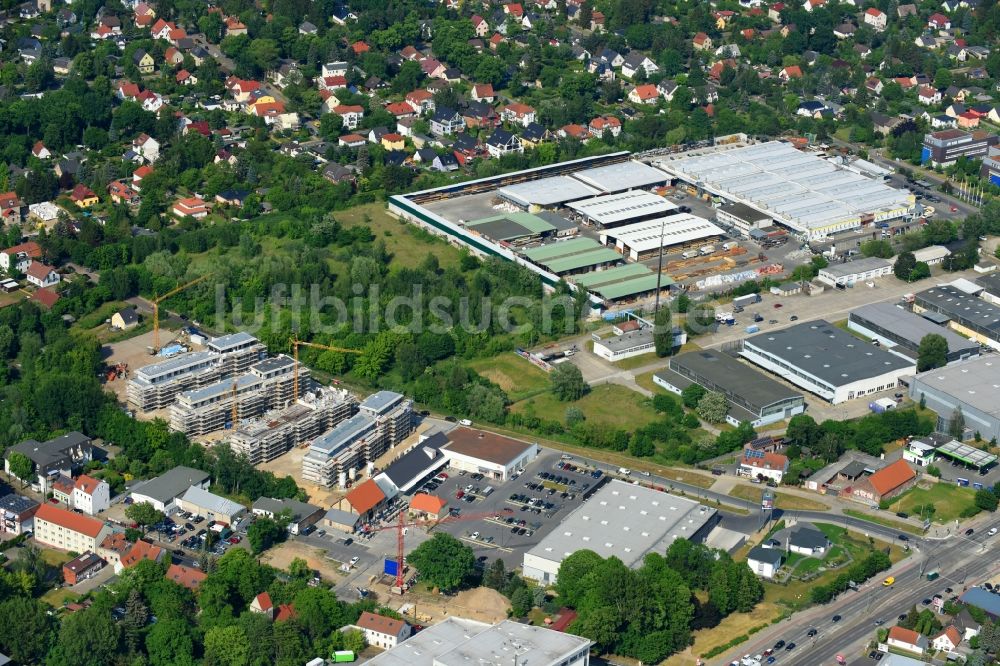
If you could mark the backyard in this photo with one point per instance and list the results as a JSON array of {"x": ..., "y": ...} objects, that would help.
[{"x": 946, "y": 501}]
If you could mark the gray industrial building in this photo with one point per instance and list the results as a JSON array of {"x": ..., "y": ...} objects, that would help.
[
  {"x": 624, "y": 520},
  {"x": 900, "y": 331},
  {"x": 383, "y": 420},
  {"x": 752, "y": 396},
  {"x": 277, "y": 431},
  {"x": 970, "y": 387},
  {"x": 826, "y": 360},
  {"x": 967, "y": 314},
  {"x": 163, "y": 491}
]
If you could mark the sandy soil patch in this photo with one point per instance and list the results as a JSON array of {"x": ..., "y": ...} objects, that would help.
[{"x": 281, "y": 557}]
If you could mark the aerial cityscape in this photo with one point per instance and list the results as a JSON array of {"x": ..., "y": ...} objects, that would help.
[{"x": 461, "y": 333}]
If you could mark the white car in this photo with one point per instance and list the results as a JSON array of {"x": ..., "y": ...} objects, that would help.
[
  {"x": 355, "y": 560},
  {"x": 992, "y": 532},
  {"x": 474, "y": 536}
]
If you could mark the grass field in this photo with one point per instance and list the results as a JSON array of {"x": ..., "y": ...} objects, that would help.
[
  {"x": 516, "y": 376},
  {"x": 888, "y": 522},
  {"x": 55, "y": 558},
  {"x": 407, "y": 243},
  {"x": 609, "y": 404},
  {"x": 58, "y": 597},
  {"x": 781, "y": 500},
  {"x": 645, "y": 380},
  {"x": 949, "y": 501}
]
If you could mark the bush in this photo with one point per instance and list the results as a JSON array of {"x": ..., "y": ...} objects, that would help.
[{"x": 719, "y": 649}]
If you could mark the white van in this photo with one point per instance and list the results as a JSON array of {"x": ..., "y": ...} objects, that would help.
[{"x": 624, "y": 471}]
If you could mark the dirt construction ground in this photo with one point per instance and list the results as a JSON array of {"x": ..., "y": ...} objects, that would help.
[
  {"x": 281, "y": 557},
  {"x": 481, "y": 603}
]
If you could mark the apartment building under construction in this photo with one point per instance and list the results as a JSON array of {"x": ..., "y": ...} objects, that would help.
[
  {"x": 265, "y": 438},
  {"x": 269, "y": 384},
  {"x": 383, "y": 420},
  {"x": 155, "y": 386}
]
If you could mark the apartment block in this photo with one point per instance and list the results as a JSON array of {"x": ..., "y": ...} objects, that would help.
[
  {"x": 274, "y": 433},
  {"x": 383, "y": 420},
  {"x": 156, "y": 385},
  {"x": 66, "y": 530},
  {"x": 269, "y": 384}
]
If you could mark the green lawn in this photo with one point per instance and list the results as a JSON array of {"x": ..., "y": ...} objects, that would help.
[
  {"x": 516, "y": 376},
  {"x": 888, "y": 522},
  {"x": 58, "y": 597},
  {"x": 949, "y": 501},
  {"x": 406, "y": 242},
  {"x": 639, "y": 361},
  {"x": 610, "y": 404},
  {"x": 645, "y": 380}
]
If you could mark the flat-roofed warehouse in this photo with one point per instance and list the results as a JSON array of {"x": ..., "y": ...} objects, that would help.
[
  {"x": 569, "y": 257},
  {"x": 900, "y": 331},
  {"x": 972, "y": 387},
  {"x": 801, "y": 191},
  {"x": 623, "y": 282},
  {"x": 620, "y": 519},
  {"x": 826, "y": 360},
  {"x": 622, "y": 208},
  {"x": 967, "y": 314},
  {"x": 546, "y": 192},
  {"x": 520, "y": 227},
  {"x": 621, "y": 176},
  {"x": 642, "y": 240},
  {"x": 751, "y": 396}
]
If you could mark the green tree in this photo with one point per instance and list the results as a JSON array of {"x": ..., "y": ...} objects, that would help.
[
  {"x": 264, "y": 533},
  {"x": 144, "y": 513},
  {"x": 692, "y": 394},
  {"x": 27, "y": 631},
  {"x": 877, "y": 248},
  {"x": 986, "y": 500},
  {"x": 169, "y": 643},
  {"x": 904, "y": 266},
  {"x": 354, "y": 640},
  {"x": 134, "y": 622},
  {"x": 520, "y": 602},
  {"x": 573, "y": 571},
  {"x": 444, "y": 561},
  {"x": 663, "y": 332},
  {"x": 496, "y": 576},
  {"x": 226, "y": 646},
  {"x": 713, "y": 407},
  {"x": 932, "y": 353},
  {"x": 22, "y": 467},
  {"x": 567, "y": 382},
  {"x": 86, "y": 638}
]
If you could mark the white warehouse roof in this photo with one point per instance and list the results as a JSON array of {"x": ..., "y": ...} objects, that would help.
[
  {"x": 622, "y": 176},
  {"x": 621, "y": 207},
  {"x": 546, "y": 191},
  {"x": 676, "y": 230}
]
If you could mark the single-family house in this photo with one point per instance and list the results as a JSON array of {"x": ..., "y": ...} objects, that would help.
[
  {"x": 502, "y": 142},
  {"x": 876, "y": 18},
  {"x": 83, "y": 196},
  {"x": 190, "y": 207},
  {"x": 41, "y": 275},
  {"x": 143, "y": 61},
  {"x": 381, "y": 631},
  {"x": 90, "y": 495},
  {"x": 948, "y": 640},
  {"x": 636, "y": 61},
  {"x": 763, "y": 465},
  {"x": 479, "y": 26},
  {"x": 20, "y": 256},
  {"x": 598, "y": 126},
  {"x": 351, "y": 114},
  {"x": 791, "y": 72},
  {"x": 938, "y": 21},
  {"x": 262, "y": 604},
  {"x": 701, "y": 42},
  {"x": 40, "y": 151},
  {"x": 517, "y": 113},
  {"x": 446, "y": 121},
  {"x": 927, "y": 95},
  {"x": 807, "y": 540},
  {"x": 647, "y": 93},
  {"x": 125, "y": 319},
  {"x": 765, "y": 562},
  {"x": 421, "y": 100},
  {"x": 483, "y": 92},
  {"x": 187, "y": 577},
  {"x": 907, "y": 639}
]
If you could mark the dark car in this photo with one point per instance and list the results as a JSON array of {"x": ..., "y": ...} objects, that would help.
[
  {"x": 926, "y": 602},
  {"x": 789, "y": 647},
  {"x": 903, "y": 537},
  {"x": 348, "y": 541},
  {"x": 779, "y": 645},
  {"x": 901, "y": 617},
  {"x": 969, "y": 532},
  {"x": 836, "y": 618},
  {"x": 902, "y": 514},
  {"x": 812, "y": 632}
]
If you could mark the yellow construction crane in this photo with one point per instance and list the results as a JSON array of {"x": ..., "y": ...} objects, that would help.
[
  {"x": 315, "y": 345},
  {"x": 156, "y": 308}
]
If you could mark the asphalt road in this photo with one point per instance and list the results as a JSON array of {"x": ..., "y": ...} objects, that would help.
[{"x": 958, "y": 559}]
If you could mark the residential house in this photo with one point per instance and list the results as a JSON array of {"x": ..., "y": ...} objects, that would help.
[
  {"x": 598, "y": 126},
  {"x": 401, "y": 110},
  {"x": 765, "y": 562},
  {"x": 942, "y": 121},
  {"x": 381, "y": 631},
  {"x": 636, "y": 61},
  {"x": 186, "y": 78},
  {"x": 125, "y": 319},
  {"x": 138, "y": 552},
  {"x": 611, "y": 58},
  {"x": 791, "y": 72},
  {"x": 20, "y": 256},
  {"x": 90, "y": 495},
  {"x": 172, "y": 56},
  {"x": 479, "y": 114},
  {"x": 813, "y": 108},
  {"x": 235, "y": 27},
  {"x": 938, "y": 21},
  {"x": 422, "y": 101},
  {"x": 190, "y": 207},
  {"x": 428, "y": 506},
  {"x": 927, "y": 95},
  {"x": 774, "y": 11},
  {"x": 40, "y": 151},
  {"x": 66, "y": 530},
  {"x": 10, "y": 208},
  {"x": 845, "y": 31},
  {"x": 144, "y": 62},
  {"x": 186, "y": 576},
  {"x": 17, "y": 514},
  {"x": 967, "y": 120},
  {"x": 241, "y": 89},
  {"x": 83, "y": 196},
  {"x": 445, "y": 163},
  {"x": 81, "y": 568},
  {"x": 876, "y": 18},
  {"x": 300, "y": 515},
  {"x": 41, "y": 275},
  {"x": 502, "y": 142},
  {"x": 903, "y": 11},
  {"x": 518, "y": 114},
  {"x": 307, "y": 28},
  {"x": 262, "y": 604},
  {"x": 574, "y": 131},
  {"x": 807, "y": 540},
  {"x": 479, "y": 26},
  {"x": 886, "y": 483},
  {"x": 393, "y": 141},
  {"x": 62, "y": 66},
  {"x": 810, "y": 5},
  {"x": 352, "y": 140},
  {"x": 351, "y": 114},
  {"x": 483, "y": 92},
  {"x": 432, "y": 69},
  {"x": 874, "y": 85},
  {"x": 338, "y": 173},
  {"x": 446, "y": 121},
  {"x": 906, "y": 639},
  {"x": 667, "y": 88},
  {"x": 701, "y": 42},
  {"x": 948, "y": 640},
  {"x": 146, "y": 148},
  {"x": 139, "y": 174},
  {"x": 763, "y": 465},
  {"x": 61, "y": 455},
  {"x": 644, "y": 94}
]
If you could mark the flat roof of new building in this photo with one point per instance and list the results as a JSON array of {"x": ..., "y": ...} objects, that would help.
[
  {"x": 221, "y": 388},
  {"x": 381, "y": 401},
  {"x": 550, "y": 191},
  {"x": 460, "y": 642},
  {"x": 970, "y": 455},
  {"x": 824, "y": 351},
  {"x": 621, "y": 176},
  {"x": 226, "y": 342},
  {"x": 856, "y": 267},
  {"x": 962, "y": 307},
  {"x": 670, "y": 231},
  {"x": 621, "y": 207},
  {"x": 713, "y": 368},
  {"x": 171, "y": 483},
  {"x": 799, "y": 189},
  {"x": 346, "y": 431},
  {"x": 510, "y": 226},
  {"x": 176, "y": 364},
  {"x": 975, "y": 382},
  {"x": 626, "y": 341},
  {"x": 909, "y": 326},
  {"x": 273, "y": 363},
  {"x": 624, "y": 520},
  {"x": 298, "y": 510}
]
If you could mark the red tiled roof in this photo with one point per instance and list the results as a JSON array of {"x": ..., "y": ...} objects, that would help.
[
  {"x": 767, "y": 461},
  {"x": 141, "y": 550},
  {"x": 380, "y": 623},
  {"x": 891, "y": 477},
  {"x": 46, "y": 297},
  {"x": 68, "y": 520},
  {"x": 264, "y": 601},
  {"x": 898, "y": 633},
  {"x": 37, "y": 269},
  {"x": 30, "y": 249},
  {"x": 186, "y": 576},
  {"x": 285, "y": 612},
  {"x": 365, "y": 497},
  {"x": 427, "y": 503},
  {"x": 87, "y": 484}
]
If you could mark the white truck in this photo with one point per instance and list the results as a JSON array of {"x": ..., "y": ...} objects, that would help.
[{"x": 707, "y": 249}]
